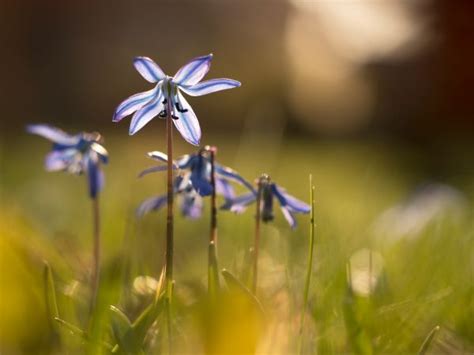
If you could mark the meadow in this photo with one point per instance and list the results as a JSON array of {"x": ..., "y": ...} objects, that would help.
[{"x": 392, "y": 270}]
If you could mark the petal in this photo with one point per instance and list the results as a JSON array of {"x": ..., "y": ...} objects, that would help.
[
  {"x": 289, "y": 217},
  {"x": 191, "y": 205},
  {"x": 202, "y": 186},
  {"x": 95, "y": 175},
  {"x": 101, "y": 151},
  {"x": 162, "y": 157},
  {"x": 290, "y": 202},
  {"x": 192, "y": 72},
  {"x": 133, "y": 103},
  {"x": 146, "y": 114},
  {"x": 159, "y": 156},
  {"x": 231, "y": 174},
  {"x": 149, "y": 69},
  {"x": 59, "y": 159},
  {"x": 153, "y": 169},
  {"x": 240, "y": 203},
  {"x": 187, "y": 123},
  {"x": 210, "y": 86},
  {"x": 151, "y": 204},
  {"x": 224, "y": 188},
  {"x": 184, "y": 161},
  {"x": 53, "y": 134}
]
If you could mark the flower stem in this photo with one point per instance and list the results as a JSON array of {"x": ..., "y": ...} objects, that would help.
[
  {"x": 95, "y": 279},
  {"x": 257, "y": 237},
  {"x": 213, "y": 272},
  {"x": 169, "y": 225},
  {"x": 213, "y": 236},
  {"x": 170, "y": 195},
  {"x": 310, "y": 265}
]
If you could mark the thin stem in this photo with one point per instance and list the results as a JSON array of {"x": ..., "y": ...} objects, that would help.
[
  {"x": 213, "y": 272},
  {"x": 170, "y": 195},
  {"x": 95, "y": 279},
  {"x": 257, "y": 237},
  {"x": 213, "y": 236},
  {"x": 169, "y": 224},
  {"x": 310, "y": 265}
]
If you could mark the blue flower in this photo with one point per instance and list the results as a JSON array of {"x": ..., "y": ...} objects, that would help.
[
  {"x": 289, "y": 205},
  {"x": 75, "y": 154},
  {"x": 193, "y": 183},
  {"x": 152, "y": 103},
  {"x": 190, "y": 202},
  {"x": 198, "y": 170}
]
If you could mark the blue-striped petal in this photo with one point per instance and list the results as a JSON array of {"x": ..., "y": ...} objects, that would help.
[
  {"x": 146, "y": 114},
  {"x": 231, "y": 174},
  {"x": 187, "y": 123},
  {"x": 191, "y": 205},
  {"x": 192, "y": 72},
  {"x": 159, "y": 156},
  {"x": 148, "y": 69},
  {"x": 53, "y": 134},
  {"x": 151, "y": 204},
  {"x": 224, "y": 188},
  {"x": 58, "y": 160},
  {"x": 289, "y": 217},
  {"x": 153, "y": 169},
  {"x": 133, "y": 103},
  {"x": 210, "y": 86},
  {"x": 240, "y": 203},
  {"x": 290, "y": 202}
]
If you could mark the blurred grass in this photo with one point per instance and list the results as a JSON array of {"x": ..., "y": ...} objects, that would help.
[{"x": 426, "y": 281}]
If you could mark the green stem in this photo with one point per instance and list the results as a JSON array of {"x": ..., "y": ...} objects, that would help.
[
  {"x": 257, "y": 238},
  {"x": 170, "y": 195},
  {"x": 169, "y": 224},
  {"x": 310, "y": 266},
  {"x": 213, "y": 271}
]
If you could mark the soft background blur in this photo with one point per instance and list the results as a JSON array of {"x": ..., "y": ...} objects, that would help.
[{"x": 374, "y": 98}]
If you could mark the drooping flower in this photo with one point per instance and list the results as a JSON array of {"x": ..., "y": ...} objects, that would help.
[
  {"x": 197, "y": 168},
  {"x": 75, "y": 154},
  {"x": 289, "y": 205},
  {"x": 167, "y": 94},
  {"x": 190, "y": 201},
  {"x": 193, "y": 182}
]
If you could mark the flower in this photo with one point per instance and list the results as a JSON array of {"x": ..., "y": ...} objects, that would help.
[
  {"x": 198, "y": 171},
  {"x": 167, "y": 94},
  {"x": 74, "y": 154},
  {"x": 289, "y": 205},
  {"x": 190, "y": 201},
  {"x": 193, "y": 183}
]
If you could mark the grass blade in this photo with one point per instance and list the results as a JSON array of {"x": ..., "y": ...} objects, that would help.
[{"x": 428, "y": 340}]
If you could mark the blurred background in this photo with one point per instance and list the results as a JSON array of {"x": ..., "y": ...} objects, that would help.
[{"x": 374, "y": 98}]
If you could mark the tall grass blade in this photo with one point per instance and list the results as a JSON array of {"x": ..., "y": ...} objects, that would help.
[
  {"x": 428, "y": 340},
  {"x": 309, "y": 267}
]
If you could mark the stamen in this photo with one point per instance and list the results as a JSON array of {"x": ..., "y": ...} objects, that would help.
[
  {"x": 163, "y": 114},
  {"x": 179, "y": 108}
]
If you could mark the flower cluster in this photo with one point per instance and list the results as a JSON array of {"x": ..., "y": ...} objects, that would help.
[
  {"x": 75, "y": 154},
  {"x": 193, "y": 182}
]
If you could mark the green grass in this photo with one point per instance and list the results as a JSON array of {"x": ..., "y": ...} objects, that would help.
[{"x": 426, "y": 281}]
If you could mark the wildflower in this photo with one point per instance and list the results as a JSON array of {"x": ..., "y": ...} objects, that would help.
[
  {"x": 192, "y": 184},
  {"x": 190, "y": 201},
  {"x": 289, "y": 205},
  {"x": 197, "y": 168},
  {"x": 167, "y": 95},
  {"x": 75, "y": 154}
]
